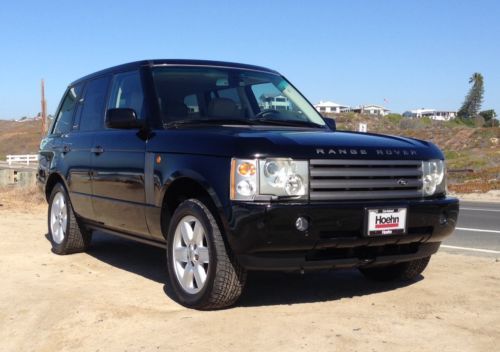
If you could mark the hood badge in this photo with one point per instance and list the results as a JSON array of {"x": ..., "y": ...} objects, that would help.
[{"x": 353, "y": 151}]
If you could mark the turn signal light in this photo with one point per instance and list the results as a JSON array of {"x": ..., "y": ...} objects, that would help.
[{"x": 246, "y": 169}]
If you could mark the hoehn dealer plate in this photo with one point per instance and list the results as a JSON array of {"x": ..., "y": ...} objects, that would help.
[{"x": 386, "y": 221}]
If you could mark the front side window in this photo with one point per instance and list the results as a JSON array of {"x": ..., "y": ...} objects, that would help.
[
  {"x": 127, "y": 92},
  {"x": 64, "y": 119},
  {"x": 209, "y": 94},
  {"x": 94, "y": 102}
]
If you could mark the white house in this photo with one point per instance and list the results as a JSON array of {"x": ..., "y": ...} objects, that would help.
[
  {"x": 371, "y": 110},
  {"x": 330, "y": 107},
  {"x": 276, "y": 102},
  {"x": 440, "y": 115}
]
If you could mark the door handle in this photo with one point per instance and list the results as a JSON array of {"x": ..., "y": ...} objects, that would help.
[
  {"x": 97, "y": 150},
  {"x": 66, "y": 149}
]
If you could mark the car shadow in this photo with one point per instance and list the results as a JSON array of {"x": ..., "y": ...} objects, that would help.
[
  {"x": 135, "y": 257},
  {"x": 275, "y": 288},
  {"x": 262, "y": 288}
]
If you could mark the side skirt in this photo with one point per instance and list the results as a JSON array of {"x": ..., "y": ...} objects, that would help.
[{"x": 160, "y": 244}]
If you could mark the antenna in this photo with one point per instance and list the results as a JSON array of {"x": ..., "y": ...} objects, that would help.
[{"x": 44, "y": 108}]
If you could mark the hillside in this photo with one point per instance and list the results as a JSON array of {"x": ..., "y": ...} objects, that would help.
[
  {"x": 473, "y": 152},
  {"x": 19, "y": 137}
]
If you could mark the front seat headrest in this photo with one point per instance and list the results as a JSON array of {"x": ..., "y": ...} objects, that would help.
[{"x": 223, "y": 107}]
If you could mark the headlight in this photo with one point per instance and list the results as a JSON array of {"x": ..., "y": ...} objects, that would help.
[
  {"x": 276, "y": 177},
  {"x": 283, "y": 177},
  {"x": 434, "y": 180}
]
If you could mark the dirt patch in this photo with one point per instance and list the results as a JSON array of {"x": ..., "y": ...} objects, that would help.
[
  {"x": 22, "y": 199},
  {"x": 114, "y": 298},
  {"x": 491, "y": 196}
]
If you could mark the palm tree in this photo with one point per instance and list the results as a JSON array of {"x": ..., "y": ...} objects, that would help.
[{"x": 472, "y": 104}]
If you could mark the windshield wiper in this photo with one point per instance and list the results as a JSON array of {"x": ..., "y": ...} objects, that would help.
[
  {"x": 189, "y": 122},
  {"x": 295, "y": 123}
]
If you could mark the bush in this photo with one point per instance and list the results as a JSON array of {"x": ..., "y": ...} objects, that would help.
[
  {"x": 426, "y": 121},
  {"x": 465, "y": 121},
  {"x": 478, "y": 121},
  {"x": 394, "y": 118},
  {"x": 451, "y": 154}
]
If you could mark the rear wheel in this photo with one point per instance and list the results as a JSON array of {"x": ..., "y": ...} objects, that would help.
[
  {"x": 406, "y": 271},
  {"x": 65, "y": 233},
  {"x": 202, "y": 273}
]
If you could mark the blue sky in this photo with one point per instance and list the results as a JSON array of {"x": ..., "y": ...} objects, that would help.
[{"x": 412, "y": 53}]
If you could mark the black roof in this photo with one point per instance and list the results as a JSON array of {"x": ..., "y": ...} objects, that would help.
[{"x": 187, "y": 62}]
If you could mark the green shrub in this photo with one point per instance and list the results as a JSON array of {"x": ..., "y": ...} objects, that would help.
[
  {"x": 426, "y": 121},
  {"x": 394, "y": 118},
  {"x": 451, "y": 154}
]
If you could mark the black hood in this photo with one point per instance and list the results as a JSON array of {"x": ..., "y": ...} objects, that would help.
[{"x": 256, "y": 141}]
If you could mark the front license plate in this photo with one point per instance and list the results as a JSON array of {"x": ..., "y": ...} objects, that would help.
[{"x": 391, "y": 221}]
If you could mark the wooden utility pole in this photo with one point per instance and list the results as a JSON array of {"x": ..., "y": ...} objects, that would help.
[{"x": 44, "y": 109}]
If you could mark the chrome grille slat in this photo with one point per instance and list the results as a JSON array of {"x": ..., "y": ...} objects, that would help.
[
  {"x": 365, "y": 162},
  {"x": 365, "y": 179},
  {"x": 367, "y": 172},
  {"x": 365, "y": 195},
  {"x": 356, "y": 183}
]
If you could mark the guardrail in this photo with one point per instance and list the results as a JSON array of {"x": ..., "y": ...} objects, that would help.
[{"x": 25, "y": 159}]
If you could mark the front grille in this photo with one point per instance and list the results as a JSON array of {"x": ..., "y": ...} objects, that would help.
[{"x": 365, "y": 179}]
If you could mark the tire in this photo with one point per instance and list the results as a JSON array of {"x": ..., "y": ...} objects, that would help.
[
  {"x": 212, "y": 277},
  {"x": 66, "y": 234},
  {"x": 407, "y": 271}
]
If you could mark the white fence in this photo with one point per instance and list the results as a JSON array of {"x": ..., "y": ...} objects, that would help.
[{"x": 25, "y": 159}]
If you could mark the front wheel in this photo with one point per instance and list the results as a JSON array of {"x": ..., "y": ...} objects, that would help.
[
  {"x": 201, "y": 271},
  {"x": 406, "y": 271}
]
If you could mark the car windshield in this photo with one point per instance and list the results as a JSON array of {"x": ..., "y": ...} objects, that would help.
[{"x": 227, "y": 95}]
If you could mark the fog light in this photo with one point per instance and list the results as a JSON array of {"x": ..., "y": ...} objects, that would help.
[
  {"x": 443, "y": 219},
  {"x": 302, "y": 224}
]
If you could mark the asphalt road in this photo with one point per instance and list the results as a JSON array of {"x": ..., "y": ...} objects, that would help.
[{"x": 478, "y": 230}]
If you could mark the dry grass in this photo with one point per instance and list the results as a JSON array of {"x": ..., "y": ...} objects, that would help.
[
  {"x": 23, "y": 199},
  {"x": 19, "y": 137},
  {"x": 480, "y": 181}
]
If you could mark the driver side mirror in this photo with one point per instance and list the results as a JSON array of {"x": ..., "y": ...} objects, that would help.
[
  {"x": 122, "y": 118},
  {"x": 330, "y": 123}
]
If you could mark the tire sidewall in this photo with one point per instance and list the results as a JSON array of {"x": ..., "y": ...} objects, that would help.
[
  {"x": 59, "y": 247},
  {"x": 192, "y": 208}
]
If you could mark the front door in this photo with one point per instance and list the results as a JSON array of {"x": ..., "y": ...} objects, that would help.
[{"x": 118, "y": 164}]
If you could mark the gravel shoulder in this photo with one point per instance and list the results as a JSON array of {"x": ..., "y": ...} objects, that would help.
[{"x": 114, "y": 298}]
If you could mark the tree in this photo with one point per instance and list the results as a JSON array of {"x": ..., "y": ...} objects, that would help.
[
  {"x": 489, "y": 117},
  {"x": 472, "y": 104}
]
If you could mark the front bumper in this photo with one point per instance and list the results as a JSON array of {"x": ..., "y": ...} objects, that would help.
[{"x": 264, "y": 236}]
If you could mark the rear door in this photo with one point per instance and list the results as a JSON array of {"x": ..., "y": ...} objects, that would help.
[
  {"x": 72, "y": 152},
  {"x": 118, "y": 163},
  {"x": 88, "y": 119}
]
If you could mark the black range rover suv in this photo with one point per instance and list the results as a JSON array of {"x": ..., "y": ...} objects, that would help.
[{"x": 230, "y": 169}]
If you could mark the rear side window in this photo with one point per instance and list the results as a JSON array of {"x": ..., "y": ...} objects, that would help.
[
  {"x": 94, "y": 104},
  {"x": 64, "y": 120},
  {"x": 127, "y": 92}
]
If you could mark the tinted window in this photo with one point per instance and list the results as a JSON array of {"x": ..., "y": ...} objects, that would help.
[
  {"x": 94, "y": 102},
  {"x": 64, "y": 119},
  {"x": 127, "y": 92}
]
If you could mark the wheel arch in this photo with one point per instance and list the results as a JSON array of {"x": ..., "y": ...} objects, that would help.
[
  {"x": 184, "y": 185},
  {"x": 53, "y": 179}
]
